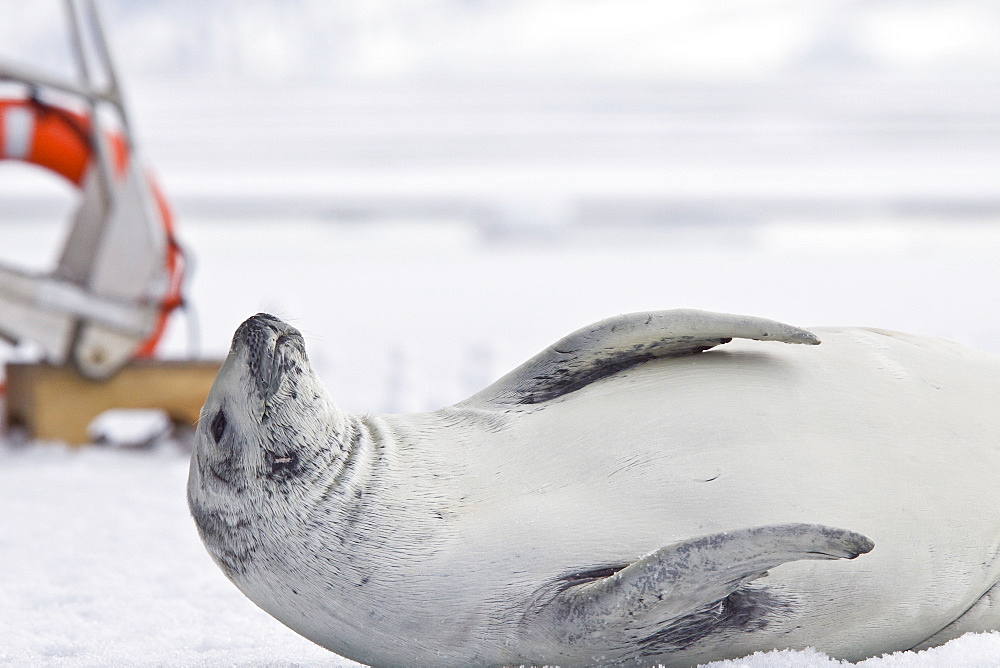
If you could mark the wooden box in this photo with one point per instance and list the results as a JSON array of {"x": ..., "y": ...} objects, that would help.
[{"x": 55, "y": 403}]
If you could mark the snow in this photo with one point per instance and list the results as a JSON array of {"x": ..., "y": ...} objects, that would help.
[
  {"x": 433, "y": 192},
  {"x": 129, "y": 428},
  {"x": 102, "y": 567}
]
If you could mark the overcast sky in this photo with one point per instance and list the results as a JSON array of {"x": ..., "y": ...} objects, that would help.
[{"x": 709, "y": 39}]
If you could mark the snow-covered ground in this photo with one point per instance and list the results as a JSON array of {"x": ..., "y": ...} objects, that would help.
[{"x": 433, "y": 196}]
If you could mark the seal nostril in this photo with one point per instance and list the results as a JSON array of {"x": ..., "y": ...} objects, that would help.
[{"x": 218, "y": 426}]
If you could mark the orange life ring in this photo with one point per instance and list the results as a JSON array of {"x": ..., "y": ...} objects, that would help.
[{"x": 60, "y": 140}]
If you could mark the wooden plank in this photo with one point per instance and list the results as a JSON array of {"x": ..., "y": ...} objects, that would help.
[{"x": 55, "y": 403}]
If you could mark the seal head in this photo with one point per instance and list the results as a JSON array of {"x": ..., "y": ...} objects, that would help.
[{"x": 268, "y": 428}]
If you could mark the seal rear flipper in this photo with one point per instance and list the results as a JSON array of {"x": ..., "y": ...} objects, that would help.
[
  {"x": 625, "y": 341},
  {"x": 684, "y": 586}
]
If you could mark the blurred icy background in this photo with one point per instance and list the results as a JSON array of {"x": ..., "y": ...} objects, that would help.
[
  {"x": 433, "y": 190},
  {"x": 436, "y": 189}
]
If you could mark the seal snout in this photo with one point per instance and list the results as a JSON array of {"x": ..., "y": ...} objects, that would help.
[
  {"x": 273, "y": 348},
  {"x": 262, "y": 327},
  {"x": 264, "y": 331}
]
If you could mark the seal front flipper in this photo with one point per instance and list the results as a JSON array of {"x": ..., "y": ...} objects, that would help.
[
  {"x": 625, "y": 341},
  {"x": 680, "y": 593}
]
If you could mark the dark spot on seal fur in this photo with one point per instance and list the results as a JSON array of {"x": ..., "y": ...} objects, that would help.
[
  {"x": 563, "y": 380},
  {"x": 224, "y": 464},
  {"x": 584, "y": 577},
  {"x": 222, "y": 539},
  {"x": 221, "y": 476},
  {"x": 228, "y": 470},
  {"x": 746, "y": 610},
  {"x": 281, "y": 467}
]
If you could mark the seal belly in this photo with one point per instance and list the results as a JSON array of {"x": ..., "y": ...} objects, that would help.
[{"x": 886, "y": 435}]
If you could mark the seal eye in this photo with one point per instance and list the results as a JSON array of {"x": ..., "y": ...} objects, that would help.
[{"x": 218, "y": 426}]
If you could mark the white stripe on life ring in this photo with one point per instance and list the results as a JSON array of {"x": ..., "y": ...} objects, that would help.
[{"x": 18, "y": 126}]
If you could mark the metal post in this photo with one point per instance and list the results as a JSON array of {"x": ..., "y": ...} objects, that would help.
[
  {"x": 113, "y": 93},
  {"x": 96, "y": 134}
]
